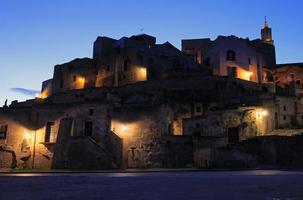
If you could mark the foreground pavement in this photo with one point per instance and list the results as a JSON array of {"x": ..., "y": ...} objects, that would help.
[{"x": 217, "y": 185}]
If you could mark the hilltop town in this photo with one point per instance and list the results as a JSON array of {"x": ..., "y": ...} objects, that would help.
[{"x": 222, "y": 103}]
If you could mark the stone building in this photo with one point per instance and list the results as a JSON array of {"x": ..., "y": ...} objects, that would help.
[
  {"x": 285, "y": 75},
  {"x": 233, "y": 56},
  {"x": 138, "y": 104},
  {"x": 119, "y": 62}
]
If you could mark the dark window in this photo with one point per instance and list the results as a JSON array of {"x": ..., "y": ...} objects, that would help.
[
  {"x": 91, "y": 112},
  {"x": 125, "y": 65},
  {"x": 88, "y": 128},
  {"x": 298, "y": 82},
  {"x": 233, "y": 135},
  {"x": 249, "y": 61},
  {"x": 276, "y": 78},
  {"x": 232, "y": 72},
  {"x": 49, "y": 132},
  {"x": 276, "y": 120},
  {"x": 169, "y": 128},
  {"x": 292, "y": 76},
  {"x": 75, "y": 78},
  {"x": 198, "y": 109},
  {"x": 176, "y": 63},
  {"x": 61, "y": 83},
  {"x": 284, "y": 108},
  {"x": 140, "y": 59},
  {"x": 197, "y": 125},
  {"x": 108, "y": 68},
  {"x": 231, "y": 55},
  {"x": 284, "y": 117},
  {"x": 196, "y": 133},
  {"x": 3, "y": 131},
  {"x": 207, "y": 61}
]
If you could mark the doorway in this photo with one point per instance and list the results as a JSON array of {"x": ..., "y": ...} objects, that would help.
[{"x": 233, "y": 135}]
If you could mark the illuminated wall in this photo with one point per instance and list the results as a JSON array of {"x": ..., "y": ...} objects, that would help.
[{"x": 244, "y": 74}]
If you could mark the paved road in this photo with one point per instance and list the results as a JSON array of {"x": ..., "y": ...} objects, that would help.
[{"x": 255, "y": 185}]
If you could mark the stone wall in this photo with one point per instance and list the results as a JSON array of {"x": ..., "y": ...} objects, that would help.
[
  {"x": 79, "y": 152},
  {"x": 268, "y": 151}
]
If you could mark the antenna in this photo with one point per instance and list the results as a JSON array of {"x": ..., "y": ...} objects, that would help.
[{"x": 265, "y": 22}]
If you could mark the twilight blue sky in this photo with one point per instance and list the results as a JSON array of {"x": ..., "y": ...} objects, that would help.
[{"x": 37, "y": 34}]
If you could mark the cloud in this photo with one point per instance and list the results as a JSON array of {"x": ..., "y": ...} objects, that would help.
[{"x": 24, "y": 91}]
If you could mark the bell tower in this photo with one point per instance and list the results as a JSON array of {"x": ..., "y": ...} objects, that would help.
[{"x": 266, "y": 35}]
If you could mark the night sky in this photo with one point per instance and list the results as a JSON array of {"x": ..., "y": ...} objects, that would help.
[{"x": 35, "y": 35}]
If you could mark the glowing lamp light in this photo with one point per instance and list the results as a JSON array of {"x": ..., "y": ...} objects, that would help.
[
  {"x": 124, "y": 128},
  {"x": 81, "y": 79},
  {"x": 27, "y": 136},
  {"x": 250, "y": 74},
  {"x": 264, "y": 113}
]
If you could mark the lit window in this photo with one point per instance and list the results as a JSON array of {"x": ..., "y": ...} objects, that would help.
[{"x": 3, "y": 131}]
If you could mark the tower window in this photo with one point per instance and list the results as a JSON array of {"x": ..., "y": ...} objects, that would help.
[
  {"x": 231, "y": 55},
  {"x": 3, "y": 131}
]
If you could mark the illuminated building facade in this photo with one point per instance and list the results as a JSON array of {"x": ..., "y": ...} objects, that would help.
[
  {"x": 138, "y": 104},
  {"x": 232, "y": 56}
]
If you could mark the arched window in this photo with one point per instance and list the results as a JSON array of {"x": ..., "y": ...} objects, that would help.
[{"x": 231, "y": 55}]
